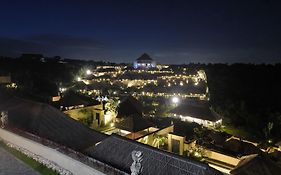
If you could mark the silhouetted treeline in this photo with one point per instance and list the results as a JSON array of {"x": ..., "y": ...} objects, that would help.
[
  {"x": 248, "y": 96},
  {"x": 41, "y": 79}
]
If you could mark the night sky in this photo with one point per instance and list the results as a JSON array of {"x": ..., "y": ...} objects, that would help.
[{"x": 171, "y": 31}]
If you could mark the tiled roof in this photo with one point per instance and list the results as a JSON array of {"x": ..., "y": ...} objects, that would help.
[
  {"x": 144, "y": 56},
  {"x": 116, "y": 151},
  {"x": 256, "y": 165},
  {"x": 201, "y": 112},
  {"x": 47, "y": 122},
  {"x": 130, "y": 116},
  {"x": 129, "y": 106},
  {"x": 133, "y": 123},
  {"x": 73, "y": 99}
]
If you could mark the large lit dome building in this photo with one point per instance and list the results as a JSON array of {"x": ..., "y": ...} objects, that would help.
[{"x": 144, "y": 62}]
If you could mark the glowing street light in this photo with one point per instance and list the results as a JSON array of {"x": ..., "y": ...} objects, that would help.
[
  {"x": 181, "y": 83},
  {"x": 79, "y": 79},
  {"x": 62, "y": 90},
  {"x": 112, "y": 124},
  {"x": 88, "y": 72},
  {"x": 175, "y": 100}
]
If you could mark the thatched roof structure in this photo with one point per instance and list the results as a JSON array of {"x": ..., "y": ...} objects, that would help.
[
  {"x": 129, "y": 106},
  {"x": 144, "y": 57},
  {"x": 130, "y": 116},
  {"x": 73, "y": 99}
]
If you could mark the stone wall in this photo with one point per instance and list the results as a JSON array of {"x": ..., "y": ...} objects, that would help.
[{"x": 50, "y": 154}]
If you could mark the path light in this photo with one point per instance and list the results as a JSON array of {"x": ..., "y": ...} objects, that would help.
[
  {"x": 175, "y": 100},
  {"x": 88, "y": 72}
]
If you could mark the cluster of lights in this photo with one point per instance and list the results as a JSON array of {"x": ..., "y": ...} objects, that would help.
[
  {"x": 62, "y": 89},
  {"x": 153, "y": 71},
  {"x": 176, "y": 77},
  {"x": 110, "y": 73},
  {"x": 90, "y": 92},
  {"x": 12, "y": 86},
  {"x": 183, "y": 78},
  {"x": 169, "y": 95},
  {"x": 141, "y": 83},
  {"x": 102, "y": 98},
  {"x": 111, "y": 67},
  {"x": 164, "y": 81}
]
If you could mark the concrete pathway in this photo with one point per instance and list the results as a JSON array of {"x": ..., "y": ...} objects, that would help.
[{"x": 10, "y": 165}]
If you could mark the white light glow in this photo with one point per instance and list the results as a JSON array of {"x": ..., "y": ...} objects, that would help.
[
  {"x": 175, "y": 100},
  {"x": 88, "y": 72},
  {"x": 112, "y": 124}
]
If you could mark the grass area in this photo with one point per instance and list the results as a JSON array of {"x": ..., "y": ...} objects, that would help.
[
  {"x": 239, "y": 132},
  {"x": 103, "y": 129},
  {"x": 42, "y": 169}
]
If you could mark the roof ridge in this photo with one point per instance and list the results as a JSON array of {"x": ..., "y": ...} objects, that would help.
[{"x": 159, "y": 151}]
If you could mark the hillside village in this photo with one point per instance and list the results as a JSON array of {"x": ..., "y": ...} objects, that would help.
[{"x": 107, "y": 111}]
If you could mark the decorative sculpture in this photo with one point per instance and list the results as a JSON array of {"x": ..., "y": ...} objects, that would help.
[
  {"x": 136, "y": 167},
  {"x": 4, "y": 119}
]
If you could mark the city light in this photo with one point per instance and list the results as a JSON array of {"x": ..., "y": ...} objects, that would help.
[
  {"x": 175, "y": 100},
  {"x": 62, "y": 89},
  {"x": 88, "y": 72},
  {"x": 181, "y": 83},
  {"x": 79, "y": 79}
]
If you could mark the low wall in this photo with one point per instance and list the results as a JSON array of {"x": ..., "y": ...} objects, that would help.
[
  {"x": 5, "y": 79},
  {"x": 53, "y": 155},
  {"x": 221, "y": 157}
]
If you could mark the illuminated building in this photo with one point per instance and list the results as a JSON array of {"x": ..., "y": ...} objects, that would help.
[
  {"x": 202, "y": 115},
  {"x": 144, "y": 62}
]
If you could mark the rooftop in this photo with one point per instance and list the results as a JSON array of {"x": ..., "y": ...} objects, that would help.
[
  {"x": 47, "y": 122},
  {"x": 256, "y": 165},
  {"x": 195, "y": 111},
  {"x": 129, "y": 106},
  {"x": 130, "y": 116},
  {"x": 116, "y": 151},
  {"x": 144, "y": 56},
  {"x": 74, "y": 99}
]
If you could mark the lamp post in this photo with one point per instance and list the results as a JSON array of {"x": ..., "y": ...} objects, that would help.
[
  {"x": 175, "y": 100},
  {"x": 88, "y": 72}
]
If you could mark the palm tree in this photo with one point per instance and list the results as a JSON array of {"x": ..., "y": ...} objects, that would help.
[{"x": 158, "y": 141}]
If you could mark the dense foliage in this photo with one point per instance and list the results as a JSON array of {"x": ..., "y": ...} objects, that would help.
[
  {"x": 41, "y": 79},
  {"x": 248, "y": 96}
]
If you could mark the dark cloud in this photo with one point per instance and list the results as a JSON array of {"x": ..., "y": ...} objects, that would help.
[
  {"x": 51, "y": 44},
  {"x": 67, "y": 41},
  {"x": 15, "y": 47}
]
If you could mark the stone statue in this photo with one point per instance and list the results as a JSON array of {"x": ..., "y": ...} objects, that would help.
[
  {"x": 4, "y": 119},
  {"x": 136, "y": 167}
]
